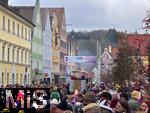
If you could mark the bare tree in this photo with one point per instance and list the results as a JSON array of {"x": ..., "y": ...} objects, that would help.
[{"x": 146, "y": 22}]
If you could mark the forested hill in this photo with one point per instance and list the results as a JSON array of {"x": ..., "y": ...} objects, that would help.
[{"x": 87, "y": 41}]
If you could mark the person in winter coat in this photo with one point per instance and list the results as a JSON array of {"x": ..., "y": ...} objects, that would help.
[
  {"x": 114, "y": 100},
  {"x": 55, "y": 94},
  {"x": 122, "y": 107},
  {"x": 133, "y": 102}
]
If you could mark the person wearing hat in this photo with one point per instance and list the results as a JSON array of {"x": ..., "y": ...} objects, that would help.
[
  {"x": 53, "y": 105},
  {"x": 133, "y": 102},
  {"x": 90, "y": 104},
  {"x": 6, "y": 110},
  {"x": 21, "y": 111},
  {"x": 54, "y": 102},
  {"x": 75, "y": 96}
]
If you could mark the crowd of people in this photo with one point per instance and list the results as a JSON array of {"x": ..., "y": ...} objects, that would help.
[
  {"x": 93, "y": 99},
  {"x": 101, "y": 99}
]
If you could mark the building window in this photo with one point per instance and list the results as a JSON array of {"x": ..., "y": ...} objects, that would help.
[
  {"x": 7, "y": 78},
  {"x": 13, "y": 52},
  {"x": 22, "y": 31},
  {"x": 62, "y": 67},
  {"x": 28, "y": 78},
  {"x": 29, "y": 56},
  {"x": 13, "y": 78},
  {"x": 25, "y": 79},
  {"x": 13, "y": 27},
  {"x": 63, "y": 44},
  {"x": 3, "y": 52},
  {"x": 17, "y": 78},
  {"x": 62, "y": 55},
  {"x": 21, "y": 56},
  {"x": 3, "y": 23},
  {"x": 8, "y": 53},
  {"x": 29, "y": 35},
  {"x": 25, "y": 57},
  {"x": 56, "y": 39},
  {"x": 21, "y": 78},
  {"x": 8, "y": 25},
  {"x": 3, "y": 79},
  {"x": 17, "y": 56},
  {"x": 25, "y": 33},
  {"x": 18, "y": 29}
]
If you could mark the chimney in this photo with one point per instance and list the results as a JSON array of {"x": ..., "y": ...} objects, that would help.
[
  {"x": 110, "y": 48},
  {"x": 4, "y": 2}
]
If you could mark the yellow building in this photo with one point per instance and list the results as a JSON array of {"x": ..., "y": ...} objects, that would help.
[
  {"x": 15, "y": 47},
  {"x": 55, "y": 49}
]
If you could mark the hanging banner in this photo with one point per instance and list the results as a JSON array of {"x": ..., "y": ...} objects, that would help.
[{"x": 90, "y": 59}]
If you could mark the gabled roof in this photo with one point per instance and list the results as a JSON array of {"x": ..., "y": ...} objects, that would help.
[
  {"x": 27, "y": 12},
  {"x": 60, "y": 15},
  {"x": 106, "y": 52},
  {"x": 106, "y": 57},
  {"x": 43, "y": 17}
]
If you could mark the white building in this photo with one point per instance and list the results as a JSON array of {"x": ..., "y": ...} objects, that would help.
[
  {"x": 47, "y": 49},
  {"x": 106, "y": 62}
]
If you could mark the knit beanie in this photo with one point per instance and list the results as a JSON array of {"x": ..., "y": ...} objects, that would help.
[
  {"x": 6, "y": 110},
  {"x": 21, "y": 111}
]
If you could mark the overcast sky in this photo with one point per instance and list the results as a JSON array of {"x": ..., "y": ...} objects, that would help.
[{"x": 98, "y": 14}]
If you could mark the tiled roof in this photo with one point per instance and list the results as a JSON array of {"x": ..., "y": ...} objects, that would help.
[
  {"x": 139, "y": 42},
  {"x": 60, "y": 16},
  {"x": 43, "y": 17},
  {"x": 27, "y": 12},
  {"x": 15, "y": 11}
]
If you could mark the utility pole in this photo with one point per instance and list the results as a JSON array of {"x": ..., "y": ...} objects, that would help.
[
  {"x": 68, "y": 53},
  {"x": 98, "y": 62}
]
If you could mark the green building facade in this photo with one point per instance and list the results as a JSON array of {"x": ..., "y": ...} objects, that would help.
[{"x": 37, "y": 45}]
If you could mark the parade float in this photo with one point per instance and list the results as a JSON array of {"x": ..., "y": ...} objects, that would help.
[{"x": 78, "y": 81}]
